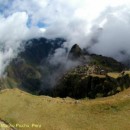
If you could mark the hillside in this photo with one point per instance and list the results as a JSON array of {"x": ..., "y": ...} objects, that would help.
[
  {"x": 110, "y": 113},
  {"x": 91, "y": 81},
  {"x": 32, "y": 71},
  {"x": 26, "y": 70},
  {"x": 103, "y": 78},
  {"x": 92, "y": 77},
  {"x": 64, "y": 65}
]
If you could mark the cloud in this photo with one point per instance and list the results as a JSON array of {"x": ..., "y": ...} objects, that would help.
[
  {"x": 10, "y": 36},
  {"x": 13, "y": 33},
  {"x": 115, "y": 35},
  {"x": 75, "y": 20}
]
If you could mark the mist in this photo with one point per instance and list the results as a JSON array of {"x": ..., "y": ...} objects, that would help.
[{"x": 102, "y": 26}]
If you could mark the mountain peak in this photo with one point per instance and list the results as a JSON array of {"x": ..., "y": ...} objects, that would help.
[{"x": 75, "y": 52}]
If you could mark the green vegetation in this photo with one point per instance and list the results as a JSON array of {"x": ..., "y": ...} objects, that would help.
[
  {"x": 31, "y": 71},
  {"x": 90, "y": 81},
  {"x": 109, "y": 63},
  {"x": 75, "y": 52},
  {"x": 25, "y": 75},
  {"x": 7, "y": 83}
]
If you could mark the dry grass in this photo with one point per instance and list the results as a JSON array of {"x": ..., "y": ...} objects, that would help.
[
  {"x": 111, "y": 113},
  {"x": 116, "y": 75},
  {"x": 98, "y": 75},
  {"x": 113, "y": 74},
  {"x": 127, "y": 72}
]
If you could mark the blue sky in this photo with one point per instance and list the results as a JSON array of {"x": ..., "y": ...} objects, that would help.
[{"x": 5, "y": 5}]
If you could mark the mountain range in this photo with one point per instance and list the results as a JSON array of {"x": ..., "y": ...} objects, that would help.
[{"x": 90, "y": 75}]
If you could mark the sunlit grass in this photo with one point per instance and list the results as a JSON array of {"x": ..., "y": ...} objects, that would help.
[
  {"x": 110, "y": 113},
  {"x": 113, "y": 74},
  {"x": 127, "y": 72}
]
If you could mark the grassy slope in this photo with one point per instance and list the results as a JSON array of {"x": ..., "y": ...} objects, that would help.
[
  {"x": 111, "y": 113},
  {"x": 116, "y": 74},
  {"x": 7, "y": 83}
]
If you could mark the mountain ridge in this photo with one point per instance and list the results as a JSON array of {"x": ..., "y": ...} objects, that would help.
[{"x": 33, "y": 75}]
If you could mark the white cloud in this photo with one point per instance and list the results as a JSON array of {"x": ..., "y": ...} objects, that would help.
[
  {"x": 114, "y": 38},
  {"x": 75, "y": 20},
  {"x": 13, "y": 31}
]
